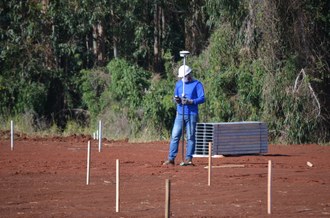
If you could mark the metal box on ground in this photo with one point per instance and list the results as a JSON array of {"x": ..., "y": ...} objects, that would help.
[{"x": 231, "y": 138}]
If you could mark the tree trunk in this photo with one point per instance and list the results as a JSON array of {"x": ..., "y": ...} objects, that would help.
[
  {"x": 98, "y": 43},
  {"x": 95, "y": 40},
  {"x": 156, "y": 37},
  {"x": 114, "y": 36},
  {"x": 44, "y": 6},
  {"x": 115, "y": 49},
  {"x": 101, "y": 48},
  {"x": 195, "y": 29},
  {"x": 159, "y": 36}
]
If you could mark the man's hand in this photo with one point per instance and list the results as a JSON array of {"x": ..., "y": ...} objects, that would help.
[
  {"x": 177, "y": 99},
  {"x": 187, "y": 101}
]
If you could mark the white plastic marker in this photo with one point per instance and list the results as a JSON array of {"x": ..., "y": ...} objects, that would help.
[
  {"x": 117, "y": 186},
  {"x": 100, "y": 135},
  {"x": 97, "y": 134},
  {"x": 167, "y": 198},
  {"x": 12, "y": 135},
  {"x": 94, "y": 137},
  {"x": 210, "y": 163},
  {"x": 88, "y": 161},
  {"x": 269, "y": 189}
]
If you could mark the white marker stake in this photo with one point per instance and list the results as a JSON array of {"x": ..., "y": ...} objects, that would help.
[
  {"x": 97, "y": 134},
  {"x": 210, "y": 163},
  {"x": 94, "y": 137},
  {"x": 88, "y": 161},
  {"x": 117, "y": 186},
  {"x": 269, "y": 189},
  {"x": 12, "y": 135},
  {"x": 100, "y": 135},
  {"x": 167, "y": 198}
]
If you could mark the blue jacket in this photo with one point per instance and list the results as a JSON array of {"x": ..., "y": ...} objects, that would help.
[{"x": 194, "y": 90}]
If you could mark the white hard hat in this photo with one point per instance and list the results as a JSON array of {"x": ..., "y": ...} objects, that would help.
[{"x": 184, "y": 70}]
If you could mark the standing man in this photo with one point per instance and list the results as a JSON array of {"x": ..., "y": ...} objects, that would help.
[{"x": 193, "y": 96}]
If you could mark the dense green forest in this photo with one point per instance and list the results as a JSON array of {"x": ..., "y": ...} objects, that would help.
[{"x": 64, "y": 65}]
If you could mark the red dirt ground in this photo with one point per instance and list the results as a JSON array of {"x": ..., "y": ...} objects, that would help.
[{"x": 47, "y": 178}]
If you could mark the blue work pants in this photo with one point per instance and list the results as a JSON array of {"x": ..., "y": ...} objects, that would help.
[{"x": 190, "y": 126}]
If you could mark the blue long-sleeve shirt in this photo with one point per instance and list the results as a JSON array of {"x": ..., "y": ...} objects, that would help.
[{"x": 194, "y": 90}]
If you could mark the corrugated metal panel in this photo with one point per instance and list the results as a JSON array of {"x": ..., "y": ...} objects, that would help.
[
  {"x": 204, "y": 135},
  {"x": 232, "y": 138}
]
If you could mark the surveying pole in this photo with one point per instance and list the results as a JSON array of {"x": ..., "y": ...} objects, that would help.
[{"x": 183, "y": 54}]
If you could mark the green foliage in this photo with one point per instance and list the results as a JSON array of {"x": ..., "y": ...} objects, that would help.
[
  {"x": 159, "y": 108},
  {"x": 223, "y": 11},
  {"x": 219, "y": 76},
  {"x": 58, "y": 63},
  {"x": 116, "y": 97},
  {"x": 223, "y": 50},
  {"x": 5, "y": 97},
  {"x": 30, "y": 97},
  {"x": 249, "y": 85},
  {"x": 240, "y": 87},
  {"x": 290, "y": 114},
  {"x": 74, "y": 128},
  {"x": 93, "y": 84},
  {"x": 128, "y": 83}
]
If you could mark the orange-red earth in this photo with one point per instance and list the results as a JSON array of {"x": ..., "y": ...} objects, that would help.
[{"x": 46, "y": 177}]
